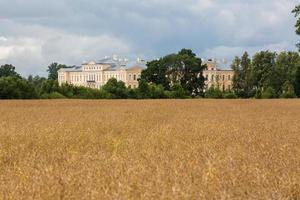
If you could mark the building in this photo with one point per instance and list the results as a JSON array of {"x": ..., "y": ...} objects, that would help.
[
  {"x": 96, "y": 74},
  {"x": 216, "y": 77}
]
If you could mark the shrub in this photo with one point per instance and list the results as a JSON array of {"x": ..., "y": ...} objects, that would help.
[
  {"x": 213, "y": 93},
  {"x": 53, "y": 95},
  {"x": 229, "y": 95},
  {"x": 269, "y": 93}
]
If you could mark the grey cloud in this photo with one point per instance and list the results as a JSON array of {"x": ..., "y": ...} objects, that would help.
[{"x": 92, "y": 28}]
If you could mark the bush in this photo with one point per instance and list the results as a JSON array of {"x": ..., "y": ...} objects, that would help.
[
  {"x": 116, "y": 89},
  {"x": 178, "y": 92},
  {"x": 288, "y": 91},
  {"x": 157, "y": 91},
  {"x": 213, "y": 93},
  {"x": 257, "y": 94},
  {"x": 269, "y": 93},
  {"x": 229, "y": 95},
  {"x": 53, "y": 95},
  {"x": 16, "y": 88}
]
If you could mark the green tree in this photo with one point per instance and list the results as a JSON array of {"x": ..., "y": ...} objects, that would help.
[
  {"x": 286, "y": 67},
  {"x": 156, "y": 73},
  {"x": 296, "y": 11},
  {"x": 36, "y": 82},
  {"x": 213, "y": 93},
  {"x": 53, "y": 69},
  {"x": 297, "y": 82},
  {"x": 263, "y": 75},
  {"x": 183, "y": 68},
  {"x": 143, "y": 89},
  {"x": 237, "y": 78},
  {"x": 15, "y": 88},
  {"x": 8, "y": 70},
  {"x": 268, "y": 93},
  {"x": 49, "y": 86},
  {"x": 116, "y": 89},
  {"x": 178, "y": 92},
  {"x": 288, "y": 90}
]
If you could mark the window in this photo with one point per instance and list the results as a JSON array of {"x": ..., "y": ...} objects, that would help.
[
  {"x": 134, "y": 77},
  {"x": 212, "y": 77},
  {"x": 223, "y": 87},
  {"x": 223, "y": 77},
  {"x": 130, "y": 77},
  {"x": 229, "y": 78}
]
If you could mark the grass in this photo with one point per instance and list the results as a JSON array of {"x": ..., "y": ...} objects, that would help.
[{"x": 165, "y": 149}]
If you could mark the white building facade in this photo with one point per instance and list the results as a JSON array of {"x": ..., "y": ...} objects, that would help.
[{"x": 96, "y": 74}]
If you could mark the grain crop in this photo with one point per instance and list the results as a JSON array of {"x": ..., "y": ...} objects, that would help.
[{"x": 164, "y": 149}]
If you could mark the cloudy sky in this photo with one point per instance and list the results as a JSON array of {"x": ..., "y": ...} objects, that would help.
[{"x": 34, "y": 33}]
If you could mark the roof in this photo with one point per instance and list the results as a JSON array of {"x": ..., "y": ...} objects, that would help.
[
  {"x": 135, "y": 68},
  {"x": 71, "y": 69}
]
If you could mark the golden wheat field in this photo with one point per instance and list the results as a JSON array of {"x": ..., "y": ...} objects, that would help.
[{"x": 164, "y": 149}]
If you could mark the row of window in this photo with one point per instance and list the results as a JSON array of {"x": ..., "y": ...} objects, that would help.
[
  {"x": 93, "y": 68},
  {"x": 134, "y": 77},
  {"x": 98, "y": 77},
  {"x": 217, "y": 77}
]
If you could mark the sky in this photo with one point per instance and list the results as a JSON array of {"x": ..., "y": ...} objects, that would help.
[{"x": 35, "y": 33}]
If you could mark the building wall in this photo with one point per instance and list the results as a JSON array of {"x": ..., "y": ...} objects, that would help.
[
  {"x": 218, "y": 78},
  {"x": 95, "y": 76}
]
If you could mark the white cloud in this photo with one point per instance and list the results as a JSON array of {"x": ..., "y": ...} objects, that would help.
[
  {"x": 34, "y": 33},
  {"x": 32, "y": 53},
  {"x": 3, "y": 39}
]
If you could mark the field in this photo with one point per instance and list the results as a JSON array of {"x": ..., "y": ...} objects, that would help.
[{"x": 165, "y": 149}]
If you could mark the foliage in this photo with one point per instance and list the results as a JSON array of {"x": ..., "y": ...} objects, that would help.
[
  {"x": 242, "y": 84},
  {"x": 16, "y": 88},
  {"x": 8, "y": 70},
  {"x": 269, "y": 93},
  {"x": 297, "y": 82},
  {"x": 229, "y": 95},
  {"x": 53, "y": 70},
  {"x": 213, "y": 93},
  {"x": 116, "y": 89},
  {"x": 265, "y": 70},
  {"x": 288, "y": 90},
  {"x": 183, "y": 68},
  {"x": 53, "y": 95},
  {"x": 296, "y": 11}
]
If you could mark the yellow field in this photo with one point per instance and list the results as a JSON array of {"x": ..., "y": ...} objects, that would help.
[{"x": 166, "y": 149}]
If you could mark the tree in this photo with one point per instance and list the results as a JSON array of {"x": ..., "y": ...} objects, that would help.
[
  {"x": 237, "y": 77},
  {"x": 213, "y": 93},
  {"x": 286, "y": 67},
  {"x": 36, "y": 82},
  {"x": 263, "y": 73},
  {"x": 156, "y": 73},
  {"x": 183, "y": 68},
  {"x": 296, "y": 11},
  {"x": 15, "y": 88},
  {"x": 297, "y": 82},
  {"x": 117, "y": 89},
  {"x": 288, "y": 90},
  {"x": 8, "y": 70},
  {"x": 53, "y": 69}
]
